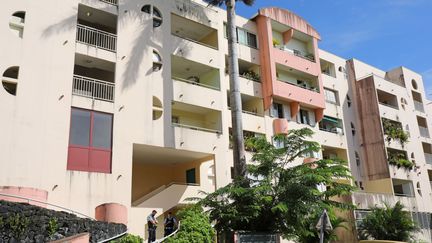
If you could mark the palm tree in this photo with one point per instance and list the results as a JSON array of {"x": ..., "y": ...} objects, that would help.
[{"x": 235, "y": 96}]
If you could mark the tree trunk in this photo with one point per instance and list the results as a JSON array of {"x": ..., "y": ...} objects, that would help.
[{"x": 235, "y": 96}]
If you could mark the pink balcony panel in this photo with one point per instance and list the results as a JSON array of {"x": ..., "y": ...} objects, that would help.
[
  {"x": 280, "y": 126},
  {"x": 111, "y": 212}
]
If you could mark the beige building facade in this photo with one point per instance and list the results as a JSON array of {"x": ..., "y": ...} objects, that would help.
[{"x": 126, "y": 103}]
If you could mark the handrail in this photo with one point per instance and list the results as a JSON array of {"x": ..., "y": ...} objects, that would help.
[
  {"x": 197, "y": 128},
  {"x": 112, "y": 2},
  {"x": 294, "y": 84},
  {"x": 46, "y": 203},
  {"x": 93, "y": 88},
  {"x": 195, "y": 41},
  {"x": 97, "y": 38},
  {"x": 388, "y": 105},
  {"x": 195, "y": 83},
  {"x": 160, "y": 189},
  {"x": 168, "y": 236},
  {"x": 62, "y": 208}
]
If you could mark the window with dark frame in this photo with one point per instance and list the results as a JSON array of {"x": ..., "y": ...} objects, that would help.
[{"x": 90, "y": 141}]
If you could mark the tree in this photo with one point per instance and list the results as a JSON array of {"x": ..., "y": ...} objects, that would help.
[
  {"x": 235, "y": 96},
  {"x": 388, "y": 223},
  {"x": 282, "y": 197},
  {"x": 194, "y": 227}
]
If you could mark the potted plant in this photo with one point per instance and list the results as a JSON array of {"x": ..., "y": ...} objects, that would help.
[{"x": 386, "y": 224}]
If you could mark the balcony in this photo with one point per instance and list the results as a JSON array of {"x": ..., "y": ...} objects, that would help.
[
  {"x": 194, "y": 73},
  {"x": 417, "y": 99},
  {"x": 297, "y": 78},
  {"x": 428, "y": 158},
  {"x": 293, "y": 41},
  {"x": 367, "y": 200},
  {"x": 97, "y": 38},
  {"x": 93, "y": 78},
  {"x": 419, "y": 106},
  {"x": 423, "y": 128},
  {"x": 403, "y": 188},
  {"x": 194, "y": 31},
  {"x": 331, "y": 124},
  {"x": 197, "y": 118},
  {"x": 93, "y": 88},
  {"x": 96, "y": 30},
  {"x": 387, "y": 99}
]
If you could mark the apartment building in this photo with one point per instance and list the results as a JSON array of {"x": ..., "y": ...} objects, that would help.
[{"x": 115, "y": 108}]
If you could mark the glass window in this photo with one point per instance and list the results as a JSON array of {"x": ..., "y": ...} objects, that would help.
[
  {"x": 80, "y": 128},
  {"x": 277, "y": 110},
  {"x": 331, "y": 96},
  {"x": 241, "y": 36},
  {"x": 102, "y": 130},
  {"x": 304, "y": 116},
  {"x": 252, "y": 40}
]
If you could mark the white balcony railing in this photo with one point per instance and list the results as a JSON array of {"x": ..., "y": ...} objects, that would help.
[
  {"x": 112, "y": 2},
  {"x": 93, "y": 88},
  {"x": 428, "y": 158},
  {"x": 97, "y": 38},
  {"x": 203, "y": 129},
  {"x": 419, "y": 106},
  {"x": 424, "y": 132},
  {"x": 195, "y": 83}
]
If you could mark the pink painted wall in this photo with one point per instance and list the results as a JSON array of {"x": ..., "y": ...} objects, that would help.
[
  {"x": 111, "y": 212},
  {"x": 269, "y": 56},
  {"x": 280, "y": 126},
  {"x": 27, "y": 192}
]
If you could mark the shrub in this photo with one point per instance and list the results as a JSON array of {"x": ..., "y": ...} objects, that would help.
[
  {"x": 18, "y": 224},
  {"x": 388, "y": 223},
  {"x": 129, "y": 238},
  {"x": 52, "y": 226},
  {"x": 194, "y": 227}
]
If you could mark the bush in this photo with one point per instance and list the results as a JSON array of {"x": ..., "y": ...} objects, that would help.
[
  {"x": 128, "y": 238},
  {"x": 52, "y": 226},
  {"x": 18, "y": 224},
  {"x": 389, "y": 223},
  {"x": 194, "y": 227}
]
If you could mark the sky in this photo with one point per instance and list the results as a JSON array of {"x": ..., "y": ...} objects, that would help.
[{"x": 383, "y": 33}]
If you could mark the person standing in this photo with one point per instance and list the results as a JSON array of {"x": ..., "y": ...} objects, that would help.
[
  {"x": 170, "y": 224},
  {"x": 152, "y": 225}
]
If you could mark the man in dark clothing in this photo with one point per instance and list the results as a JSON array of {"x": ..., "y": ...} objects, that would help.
[
  {"x": 170, "y": 224},
  {"x": 152, "y": 224}
]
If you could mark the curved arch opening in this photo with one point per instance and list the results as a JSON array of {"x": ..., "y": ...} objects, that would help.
[
  {"x": 157, "y": 108},
  {"x": 16, "y": 23},
  {"x": 10, "y": 80}
]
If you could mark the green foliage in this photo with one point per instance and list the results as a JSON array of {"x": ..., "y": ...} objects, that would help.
[
  {"x": 394, "y": 131},
  {"x": 17, "y": 223},
  {"x": 276, "y": 43},
  {"x": 129, "y": 238},
  {"x": 251, "y": 75},
  {"x": 52, "y": 226},
  {"x": 221, "y": 2},
  {"x": 388, "y": 223},
  {"x": 310, "y": 234},
  {"x": 281, "y": 197},
  {"x": 195, "y": 227},
  {"x": 399, "y": 159}
]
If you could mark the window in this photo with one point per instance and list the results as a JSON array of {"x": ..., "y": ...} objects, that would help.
[
  {"x": 157, "y": 61},
  {"x": 90, "y": 141},
  {"x": 348, "y": 101},
  {"x": 414, "y": 84},
  {"x": 331, "y": 96},
  {"x": 244, "y": 37},
  {"x": 16, "y": 23},
  {"x": 277, "y": 110},
  {"x": 353, "y": 131},
  {"x": 304, "y": 117},
  {"x": 357, "y": 158},
  {"x": 10, "y": 80},
  {"x": 278, "y": 143},
  {"x": 156, "y": 14}
]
